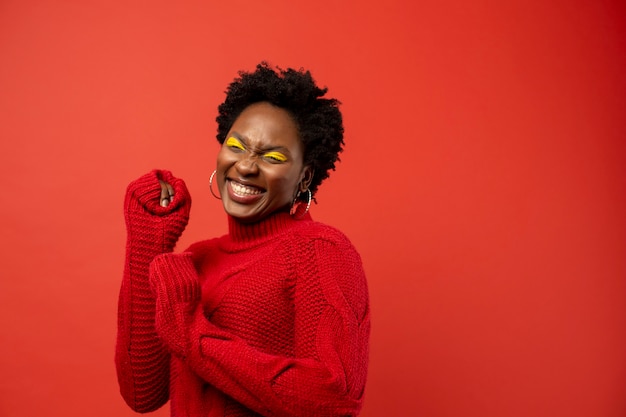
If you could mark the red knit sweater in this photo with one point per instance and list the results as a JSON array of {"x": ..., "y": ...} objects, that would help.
[{"x": 271, "y": 319}]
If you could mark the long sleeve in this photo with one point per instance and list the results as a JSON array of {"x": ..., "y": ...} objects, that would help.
[
  {"x": 141, "y": 359},
  {"x": 326, "y": 375}
]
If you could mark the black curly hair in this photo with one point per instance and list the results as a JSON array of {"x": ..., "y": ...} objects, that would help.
[{"x": 318, "y": 119}]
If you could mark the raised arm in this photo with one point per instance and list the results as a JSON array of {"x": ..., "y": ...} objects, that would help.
[
  {"x": 153, "y": 227},
  {"x": 326, "y": 377}
]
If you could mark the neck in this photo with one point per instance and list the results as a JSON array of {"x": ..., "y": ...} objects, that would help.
[{"x": 265, "y": 228}]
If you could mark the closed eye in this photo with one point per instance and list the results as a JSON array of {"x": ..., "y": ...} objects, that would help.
[
  {"x": 232, "y": 142},
  {"x": 275, "y": 156}
]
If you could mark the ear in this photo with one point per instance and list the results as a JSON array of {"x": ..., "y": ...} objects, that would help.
[{"x": 305, "y": 178}]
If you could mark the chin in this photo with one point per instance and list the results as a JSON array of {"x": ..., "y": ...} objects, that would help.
[{"x": 245, "y": 216}]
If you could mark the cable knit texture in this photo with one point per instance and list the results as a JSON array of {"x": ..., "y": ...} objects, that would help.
[{"x": 269, "y": 320}]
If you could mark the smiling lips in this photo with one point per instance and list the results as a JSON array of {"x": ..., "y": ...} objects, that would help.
[{"x": 243, "y": 192}]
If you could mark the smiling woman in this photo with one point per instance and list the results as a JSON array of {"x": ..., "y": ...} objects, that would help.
[
  {"x": 260, "y": 166},
  {"x": 271, "y": 319}
]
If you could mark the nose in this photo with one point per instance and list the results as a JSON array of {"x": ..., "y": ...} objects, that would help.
[{"x": 247, "y": 165}]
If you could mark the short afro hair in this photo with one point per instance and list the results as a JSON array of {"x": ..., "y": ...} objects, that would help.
[{"x": 318, "y": 119}]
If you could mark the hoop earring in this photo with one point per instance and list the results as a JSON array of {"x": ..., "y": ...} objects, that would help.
[
  {"x": 296, "y": 205},
  {"x": 211, "y": 185}
]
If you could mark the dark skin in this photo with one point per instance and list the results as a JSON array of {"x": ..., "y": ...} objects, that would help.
[
  {"x": 167, "y": 193},
  {"x": 264, "y": 155}
]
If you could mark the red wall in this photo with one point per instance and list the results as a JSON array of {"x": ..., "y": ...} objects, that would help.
[{"x": 483, "y": 183}]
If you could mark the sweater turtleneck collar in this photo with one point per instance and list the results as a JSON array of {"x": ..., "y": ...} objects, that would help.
[{"x": 243, "y": 235}]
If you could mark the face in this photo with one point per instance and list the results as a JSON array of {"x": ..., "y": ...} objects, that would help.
[{"x": 260, "y": 165}]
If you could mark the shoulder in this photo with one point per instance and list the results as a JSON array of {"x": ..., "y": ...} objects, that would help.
[
  {"x": 326, "y": 246},
  {"x": 320, "y": 241},
  {"x": 331, "y": 245},
  {"x": 313, "y": 231}
]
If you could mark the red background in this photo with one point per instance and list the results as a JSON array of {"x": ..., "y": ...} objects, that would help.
[{"x": 483, "y": 183}]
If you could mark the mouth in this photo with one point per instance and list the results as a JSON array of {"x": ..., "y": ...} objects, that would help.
[
  {"x": 243, "y": 193},
  {"x": 244, "y": 190}
]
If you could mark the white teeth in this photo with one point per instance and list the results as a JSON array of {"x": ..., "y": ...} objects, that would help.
[{"x": 244, "y": 190}]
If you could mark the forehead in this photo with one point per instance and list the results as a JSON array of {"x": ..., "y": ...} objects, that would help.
[{"x": 265, "y": 125}]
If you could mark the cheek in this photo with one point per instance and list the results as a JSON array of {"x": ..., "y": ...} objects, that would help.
[
  {"x": 224, "y": 159},
  {"x": 287, "y": 182},
  {"x": 221, "y": 166}
]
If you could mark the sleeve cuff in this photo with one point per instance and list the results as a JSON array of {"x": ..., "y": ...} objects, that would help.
[{"x": 174, "y": 275}]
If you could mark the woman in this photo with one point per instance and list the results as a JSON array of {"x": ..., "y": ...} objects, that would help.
[{"x": 271, "y": 319}]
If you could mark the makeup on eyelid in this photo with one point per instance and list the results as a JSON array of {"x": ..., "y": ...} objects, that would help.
[
  {"x": 276, "y": 155},
  {"x": 235, "y": 143}
]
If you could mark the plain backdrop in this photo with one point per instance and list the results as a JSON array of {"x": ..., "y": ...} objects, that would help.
[{"x": 483, "y": 183}]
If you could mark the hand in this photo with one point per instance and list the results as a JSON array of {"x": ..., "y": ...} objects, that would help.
[
  {"x": 150, "y": 190},
  {"x": 167, "y": 193},
  {"x": 156, "y": 209}
]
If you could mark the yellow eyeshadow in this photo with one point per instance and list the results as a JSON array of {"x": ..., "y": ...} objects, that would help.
[
  {"x": 276, "y": 155},
  {"x": 233, "y": 142}
]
